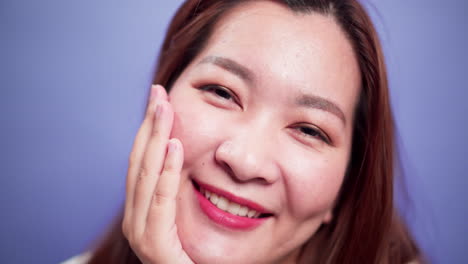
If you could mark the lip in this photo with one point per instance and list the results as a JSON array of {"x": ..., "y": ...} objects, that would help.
[
  {"x": 233, "y": 198},
  {"x": 224, "y": 218}
]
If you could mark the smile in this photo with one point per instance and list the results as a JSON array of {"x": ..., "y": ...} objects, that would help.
[
  {"x": 228, "y": 210},
  {"x": 229, "y": 206}
]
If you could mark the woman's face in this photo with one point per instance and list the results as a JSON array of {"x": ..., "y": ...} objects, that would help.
[{"x": 265, "y": 115}]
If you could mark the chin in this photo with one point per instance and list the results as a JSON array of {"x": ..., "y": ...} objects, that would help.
[{"x": 208, "y": 241}]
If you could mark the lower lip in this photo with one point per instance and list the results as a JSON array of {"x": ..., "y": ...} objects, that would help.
[{"x": 224, "y": 218}]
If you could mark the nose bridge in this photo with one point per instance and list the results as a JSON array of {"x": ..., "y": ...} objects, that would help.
[{"x": 247, "y": 151}]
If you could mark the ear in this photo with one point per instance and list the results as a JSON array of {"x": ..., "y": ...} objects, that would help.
[{"x": 327, "y": 217}]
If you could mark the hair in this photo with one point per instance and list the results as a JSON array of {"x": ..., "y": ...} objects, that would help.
[{"x": 365, "y": 227}]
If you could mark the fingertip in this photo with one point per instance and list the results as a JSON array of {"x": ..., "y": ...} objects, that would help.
[
  {"x": 175, "y": 149},
  {"x": 159, "y": 91},
  {"x": 154, "y": 91},
  {"x": 174, "y": 145}
]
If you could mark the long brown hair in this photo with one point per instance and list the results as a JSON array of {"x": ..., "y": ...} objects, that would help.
[{"x": 365, "y": 228}]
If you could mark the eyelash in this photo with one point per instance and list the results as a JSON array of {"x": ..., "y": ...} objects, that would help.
[
  {"x": 216, "y": 89},
  {"x": 306, "y": 131}
]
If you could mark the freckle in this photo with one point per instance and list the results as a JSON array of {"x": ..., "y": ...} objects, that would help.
[{"x": 203, "y": 164}]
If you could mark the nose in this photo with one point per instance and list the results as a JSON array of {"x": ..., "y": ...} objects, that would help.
[{"x": 248, "y": 156}]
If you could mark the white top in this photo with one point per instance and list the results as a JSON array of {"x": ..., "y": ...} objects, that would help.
[{"x": 79, "y": 259}]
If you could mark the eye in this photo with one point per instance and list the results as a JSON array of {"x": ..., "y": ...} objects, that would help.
[
  {"x": 220, "y": 92},
  {"x": 313, "y": 132}
]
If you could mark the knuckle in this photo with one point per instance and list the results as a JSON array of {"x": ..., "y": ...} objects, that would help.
[
  {"x": 160, "y": 198},
  {"x": 168, "y": 168},
  {"x": 143, "y": 173},
  {"x": 156, "y": 131}
]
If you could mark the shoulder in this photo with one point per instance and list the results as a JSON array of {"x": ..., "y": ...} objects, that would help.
[{"x": 79, "y": 259}]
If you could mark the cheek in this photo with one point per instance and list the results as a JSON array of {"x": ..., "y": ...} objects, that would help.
[
  {"x": 314, "y": 184},
  {"x": 195, "y": 128}
]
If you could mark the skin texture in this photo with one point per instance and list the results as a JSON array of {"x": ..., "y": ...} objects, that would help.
[{"x": 248, "y": 134}]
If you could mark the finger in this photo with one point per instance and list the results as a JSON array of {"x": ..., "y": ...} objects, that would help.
[
  {"x": 163, "y": 203},
  {"x": 161, "y": 92},
  {"x": 139, "y": 146},
  {"x": 152, "y": 163}
]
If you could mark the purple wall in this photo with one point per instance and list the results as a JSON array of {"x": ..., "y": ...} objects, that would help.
[{"x": 74, "y": 77}]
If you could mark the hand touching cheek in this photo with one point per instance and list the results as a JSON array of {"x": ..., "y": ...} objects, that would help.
[{"x": 152, "y": 185}]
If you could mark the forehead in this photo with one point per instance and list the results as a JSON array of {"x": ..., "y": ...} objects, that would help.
[{"x": 290, "y": 50}]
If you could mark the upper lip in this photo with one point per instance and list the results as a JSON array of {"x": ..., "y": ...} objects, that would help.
[{"x": 234, "y": 198}]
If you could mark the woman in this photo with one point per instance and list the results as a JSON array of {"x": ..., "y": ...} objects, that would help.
[{"x": 273, "y": 143}]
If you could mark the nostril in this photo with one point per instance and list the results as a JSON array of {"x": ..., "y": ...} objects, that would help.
[
  {"x": 243, "y": 164},
  {"x": 228, "y": 168}
]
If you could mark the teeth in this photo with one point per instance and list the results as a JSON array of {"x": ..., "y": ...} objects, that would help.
[
  {"x": 243, "y": 210},
  {"x": 228, "y": 206},
  {"x": 214, "y": 199},
  {"x": 223, "y": 203},
  {"x": 233, "y": 208},
  {"x": 251, "y": 213}
]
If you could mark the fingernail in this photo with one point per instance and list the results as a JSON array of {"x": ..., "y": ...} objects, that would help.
[
  {"x": 158, "y": 110},
  {"x": 154, "y": 91},
  {"x": 172, "y": 146}
]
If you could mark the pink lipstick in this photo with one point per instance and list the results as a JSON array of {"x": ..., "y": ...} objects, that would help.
[{"x": 247, "y": 214}]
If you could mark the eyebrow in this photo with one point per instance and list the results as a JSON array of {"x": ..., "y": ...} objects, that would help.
[
  {"x": 230, "y": 66},
  {"x": 321, "y": 103},
  {"x": 305, "y": 100}
]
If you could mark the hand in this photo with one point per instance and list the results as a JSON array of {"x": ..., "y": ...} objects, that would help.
[{"x": 152, "y": 184}]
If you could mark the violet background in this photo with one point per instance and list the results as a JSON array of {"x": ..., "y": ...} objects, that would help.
[{"x": 74, "y": 77}]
